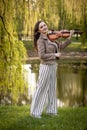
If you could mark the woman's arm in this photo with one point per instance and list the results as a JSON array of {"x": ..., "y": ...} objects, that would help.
[{"x": 66, "y": 42}]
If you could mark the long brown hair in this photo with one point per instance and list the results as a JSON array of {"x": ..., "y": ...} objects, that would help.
[{"x": 36, "y": 32}]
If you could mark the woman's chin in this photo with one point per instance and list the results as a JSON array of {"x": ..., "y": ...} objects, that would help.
[{"x": 45, "y": 32}]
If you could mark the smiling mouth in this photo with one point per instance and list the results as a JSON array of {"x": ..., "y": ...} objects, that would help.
[{"x": 45, "y": 29}]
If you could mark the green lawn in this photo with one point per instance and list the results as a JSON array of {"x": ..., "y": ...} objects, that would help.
[
  {"x": 18, "y": 118},
  {"x": 76, "y": 46}
]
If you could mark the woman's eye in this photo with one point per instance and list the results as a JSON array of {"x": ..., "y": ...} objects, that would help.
[{"x": 43, "y": 26}]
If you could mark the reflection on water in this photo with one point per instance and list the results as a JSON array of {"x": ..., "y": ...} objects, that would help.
[
  {"x": 71, "y": 82},
  {"x": 72, "y": 86},
  {"x": 30, "y": 78}
]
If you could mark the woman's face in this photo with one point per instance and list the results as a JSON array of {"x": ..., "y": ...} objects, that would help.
[{"x": 43, "y": 28}]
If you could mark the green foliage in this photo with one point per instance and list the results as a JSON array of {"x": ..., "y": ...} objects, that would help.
[
  {"x": 76, "y": 14},
  {"x": 12, "y": 53},
  {"x": 11, "y": 60},
  {"x": 28, "y": 45},
  {"x": 18, "y": 118}
]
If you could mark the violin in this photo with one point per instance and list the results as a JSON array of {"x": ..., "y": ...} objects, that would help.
[{"x": 53, "y": 35}]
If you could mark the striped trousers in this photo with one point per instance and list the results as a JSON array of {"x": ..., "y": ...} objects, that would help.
[{"x": 45, "y": 94}]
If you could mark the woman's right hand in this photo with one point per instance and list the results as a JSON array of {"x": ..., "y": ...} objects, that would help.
[{"x": 58, "y": 54}]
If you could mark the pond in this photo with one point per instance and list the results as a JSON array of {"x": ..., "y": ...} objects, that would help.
[{"x": 71, "y": 82}]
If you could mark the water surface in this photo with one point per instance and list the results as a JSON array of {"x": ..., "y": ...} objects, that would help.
[{"x": 71, "y": 82}]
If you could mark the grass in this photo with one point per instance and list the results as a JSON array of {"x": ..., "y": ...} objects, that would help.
[
  {"x": 74, "y": 46},
  {"x": 18, "y": 118}
]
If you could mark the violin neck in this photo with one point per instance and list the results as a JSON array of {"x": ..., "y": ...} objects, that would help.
[
  {"x": 78, "y": 32},
  {"x": 75, "y": 32}
]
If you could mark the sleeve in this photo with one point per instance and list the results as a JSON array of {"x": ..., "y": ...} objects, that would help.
[
  {"x": 65, "y": 43},
  {"x": 42, "y": 51}
]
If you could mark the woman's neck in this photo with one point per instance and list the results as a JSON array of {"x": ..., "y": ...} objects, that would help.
[{"x": 44, "y": 35}]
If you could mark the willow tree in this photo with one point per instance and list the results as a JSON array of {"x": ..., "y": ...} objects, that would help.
[
  {"x": 84, "y": 19},
  {"x": 76, "y": 12},
  {"x": 46, "y": 10},
  {"x": 59, "y": 14},
  {"x": 12, "y": 53}
]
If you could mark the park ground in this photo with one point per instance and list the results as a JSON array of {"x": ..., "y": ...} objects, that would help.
[{"x": 18, "y": 118}]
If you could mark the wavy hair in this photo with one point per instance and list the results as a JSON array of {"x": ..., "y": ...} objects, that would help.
[{"x": 36, "y": 33}]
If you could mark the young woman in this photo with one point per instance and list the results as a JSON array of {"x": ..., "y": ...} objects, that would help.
[{"x": 48, "y": 52}]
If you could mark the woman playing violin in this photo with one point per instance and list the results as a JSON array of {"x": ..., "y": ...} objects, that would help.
[{"x": 48, "y": 52}]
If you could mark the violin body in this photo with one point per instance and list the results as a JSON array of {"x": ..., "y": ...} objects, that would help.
[{"x": 53, "y": 35}]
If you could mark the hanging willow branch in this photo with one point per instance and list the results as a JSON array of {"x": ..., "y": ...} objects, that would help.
[{"x": 4, "y": 25}]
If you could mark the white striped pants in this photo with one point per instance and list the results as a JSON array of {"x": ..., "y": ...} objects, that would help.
[{"x": 46, "y": 89}]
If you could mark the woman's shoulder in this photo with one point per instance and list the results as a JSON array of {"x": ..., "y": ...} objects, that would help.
[{"x": 40, "y": 40}]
